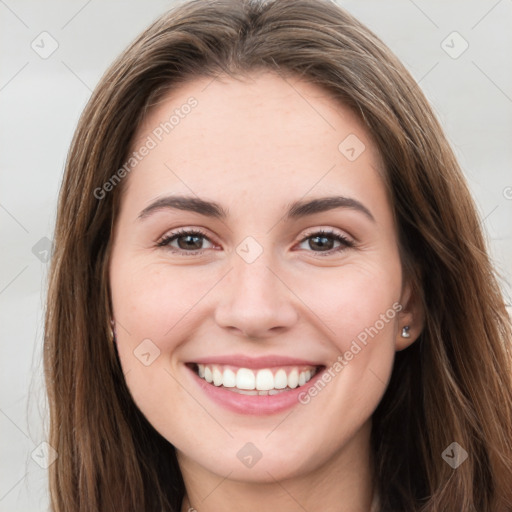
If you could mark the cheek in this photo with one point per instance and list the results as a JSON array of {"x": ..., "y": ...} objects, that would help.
[
  {"x": 356, "y": 300},
  {"x": 154, "y": 306},
  {"x": 152, "y": 300},
  {"x": 360, "y": 308}
]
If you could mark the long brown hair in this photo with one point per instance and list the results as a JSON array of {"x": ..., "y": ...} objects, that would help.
[{"x": 453, "y": 384}]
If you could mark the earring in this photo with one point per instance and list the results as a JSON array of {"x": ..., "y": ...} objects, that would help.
[{"x": 405, "y": 332}]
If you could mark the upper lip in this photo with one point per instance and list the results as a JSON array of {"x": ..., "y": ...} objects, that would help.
[{"x": 269, "y": 361}]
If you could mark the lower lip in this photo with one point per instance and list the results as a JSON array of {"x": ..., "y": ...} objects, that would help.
[{"x": 254, "y": 404}]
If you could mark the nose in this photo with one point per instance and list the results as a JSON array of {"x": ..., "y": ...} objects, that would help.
[{"x": 255, "y": 300}]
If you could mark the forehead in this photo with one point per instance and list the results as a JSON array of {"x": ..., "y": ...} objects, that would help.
[{"x": 281, "y": 136}]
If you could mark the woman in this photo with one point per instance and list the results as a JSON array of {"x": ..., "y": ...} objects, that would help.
[{"x": 345, "y": 349}]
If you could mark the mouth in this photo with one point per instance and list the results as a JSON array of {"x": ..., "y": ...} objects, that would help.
[{"x": 269, "y": 381}]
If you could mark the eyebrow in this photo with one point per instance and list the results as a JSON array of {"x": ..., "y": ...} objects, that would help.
[{"x": 296, "y": 209}]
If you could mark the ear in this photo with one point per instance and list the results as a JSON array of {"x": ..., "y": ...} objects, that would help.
[{"x": 412, "y": 314}]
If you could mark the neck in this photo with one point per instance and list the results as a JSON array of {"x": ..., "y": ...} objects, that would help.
[{"x": 344, "y": 483}]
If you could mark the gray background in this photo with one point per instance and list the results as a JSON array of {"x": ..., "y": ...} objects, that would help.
[{"x": 42, "y": 98}]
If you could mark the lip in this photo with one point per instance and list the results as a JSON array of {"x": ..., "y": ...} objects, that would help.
[
  {"x": 257, "y": 405},
  {"x": 254, "y": 363}
]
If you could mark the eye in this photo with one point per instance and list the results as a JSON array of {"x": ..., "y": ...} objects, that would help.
[
  {"x": 324, "y": 239},
  {"x": 188, "y": 240}
]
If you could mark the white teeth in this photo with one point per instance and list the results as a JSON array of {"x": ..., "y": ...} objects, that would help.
[
  {"x": 280, "y": 379},
  {"x": 254, "y": 382},
  {"x": 217, "y": 377},
  {"x": 264, "y": 380},
  {"x": 229, "y": 380},
  {"x": 293, "y": 379},
  {"x": 245, "y": 379}
]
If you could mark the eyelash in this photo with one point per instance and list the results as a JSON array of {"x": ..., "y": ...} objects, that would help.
[{"x": 166, "y": 240}]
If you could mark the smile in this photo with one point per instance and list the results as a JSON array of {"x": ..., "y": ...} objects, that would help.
[{"x": 264, "y": 381}]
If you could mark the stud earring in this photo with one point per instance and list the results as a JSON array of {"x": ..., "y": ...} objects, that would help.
[{"x": 405, "y": 332}]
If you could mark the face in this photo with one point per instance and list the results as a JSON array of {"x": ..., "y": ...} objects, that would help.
[{"x": 257, "y": 334}]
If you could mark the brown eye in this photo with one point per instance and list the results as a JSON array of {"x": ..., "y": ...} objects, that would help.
[
  {"x": 323, "y": 241},
  {"x": 188, "y": 240}
]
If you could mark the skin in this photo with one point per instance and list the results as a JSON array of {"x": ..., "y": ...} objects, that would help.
[{"x": 255, "y": 145}]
